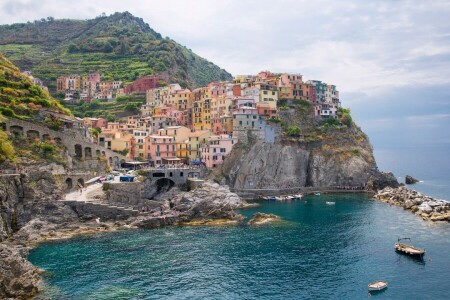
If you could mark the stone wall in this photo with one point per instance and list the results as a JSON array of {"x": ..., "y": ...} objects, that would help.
[
  {"x": 78, "y": 145},
  {"x": 88, "y": 210}
]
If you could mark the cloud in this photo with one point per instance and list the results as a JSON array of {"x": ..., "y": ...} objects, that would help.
[{"x": 361, "y": 46}]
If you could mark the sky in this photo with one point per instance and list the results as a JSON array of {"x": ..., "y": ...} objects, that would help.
[{"x": 389, "y": 59}]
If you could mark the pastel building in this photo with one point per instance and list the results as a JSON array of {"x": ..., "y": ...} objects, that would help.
[
  {"x": 216, "y": 149},
  {"x": 194, "y": 141}
]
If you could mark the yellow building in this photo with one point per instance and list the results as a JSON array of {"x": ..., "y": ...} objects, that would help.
[{"x": 195, "y": 139}]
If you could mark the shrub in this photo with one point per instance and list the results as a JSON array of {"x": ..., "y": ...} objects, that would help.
[
  {"x": 6, "y": 148},
  {"x": 293, "y": 131}
]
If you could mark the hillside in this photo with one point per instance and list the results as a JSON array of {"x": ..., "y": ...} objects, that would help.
[
  {"x": 120, "y": 46},
  {"x": 19, "y": 97}
]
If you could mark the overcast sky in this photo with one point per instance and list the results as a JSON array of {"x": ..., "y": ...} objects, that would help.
[{"x": 389, "y": 59}]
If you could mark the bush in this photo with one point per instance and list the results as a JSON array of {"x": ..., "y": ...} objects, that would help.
[
  {"x": 274, "y": 120},
  {"x": 293, "y": 131},
  {"x": 6, "y": 148},
  {"x": 331, "y": 121}
]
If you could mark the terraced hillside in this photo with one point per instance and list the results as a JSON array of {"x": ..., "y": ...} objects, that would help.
[{"x": 120, "y": 46}]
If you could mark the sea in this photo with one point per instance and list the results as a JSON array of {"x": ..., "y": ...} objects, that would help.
[{"x": 317, "y": 251}]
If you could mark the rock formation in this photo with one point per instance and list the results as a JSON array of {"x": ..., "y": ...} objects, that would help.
[
  {"x": 410, "y": 180},
  {"x": 343, "y": 157},
  {"x": 262, "y": 218},
  {"x": 19, "y": 279},
  {"x": 423, "y": 206}
]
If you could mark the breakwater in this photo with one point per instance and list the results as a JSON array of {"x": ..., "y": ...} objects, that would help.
[{"x": 424, "y": 206}]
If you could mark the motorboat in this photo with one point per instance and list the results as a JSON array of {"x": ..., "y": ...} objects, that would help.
[
  {"x": 330, "y": 203},
  {"x": 317, "y": 194},
  {"x": 377, "y": 285},
  {"x": 408, "y": 249}
]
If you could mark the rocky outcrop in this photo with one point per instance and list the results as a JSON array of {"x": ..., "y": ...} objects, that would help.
[
  {"x": 24, "y": 199},
  {"x": 423, "y": 206},
  {"x": 262, "y": 218},
  {"x": 381, "y": 180},
  {"x": 342, "y": 157},
  {"x": 209, "y": 202},
  {"x": 19, "y": 279},
  {"x": 410, "y": 180}
]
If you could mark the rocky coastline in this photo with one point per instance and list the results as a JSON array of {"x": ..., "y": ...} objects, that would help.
[
  {"x": 426, "y": 207},
  {"x": 210, "y": 204}
]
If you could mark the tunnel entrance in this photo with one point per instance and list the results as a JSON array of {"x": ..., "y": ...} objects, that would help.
[{"x": 164, "y": 185}]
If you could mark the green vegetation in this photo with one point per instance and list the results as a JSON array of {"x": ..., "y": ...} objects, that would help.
[
  {"x": 293, "y": 131},
  {"x": 120, "y": 46},
  {"x": 122, "y": 107},
  {"x": 6, "y": 147},
  {"x": 19, "y": 98},
  {"x": 345, "y": 117}
]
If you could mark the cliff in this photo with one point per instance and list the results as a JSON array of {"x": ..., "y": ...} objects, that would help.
[{"x": 324, "y": 157}]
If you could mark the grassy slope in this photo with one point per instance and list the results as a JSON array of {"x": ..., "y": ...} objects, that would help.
[
  {"x": 19, "y": 97},
  {"x": 121, "y": 46}
]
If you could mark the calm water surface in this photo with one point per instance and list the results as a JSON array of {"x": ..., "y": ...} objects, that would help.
[{"x": 318, "y": 252}]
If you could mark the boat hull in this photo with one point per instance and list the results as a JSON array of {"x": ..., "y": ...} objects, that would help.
[{"x": 409, "y": 250}]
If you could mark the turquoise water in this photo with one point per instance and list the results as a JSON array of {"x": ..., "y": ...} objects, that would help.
[{"x": 318, "y": 252}]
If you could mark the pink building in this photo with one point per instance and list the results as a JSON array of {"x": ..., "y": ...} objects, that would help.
[
  {"x": 158, "y": 147},
  {"x": 214, "y": 152}
]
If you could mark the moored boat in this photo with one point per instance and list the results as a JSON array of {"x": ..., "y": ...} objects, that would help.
[
  {"x": 330, "y": 203},
  {"x": 298, "y": 196},
  {"x": 377, "y": 285},
  {"x": 408, "y": 249},
  {"x": 317, "y": 194}
]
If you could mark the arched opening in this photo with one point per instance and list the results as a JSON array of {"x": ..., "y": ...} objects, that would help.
[
  {"x": 80, "y": 182},
  {"x": 87, "y": 152},
  {"x": 45, "y": 137},
  {"x": 78, "y": 151},
  {"x": 97, "y": 153},
  {"x": 33, "y": 134},
  {"x": 69, "y": 184},
  {"x": 116, "y": 162},
  {"x": 16, "y": 130},
  {"x": 170, "y": 174},
  {"x": 110, "y": 161},
  {"x": 103, "y": 153},
  {"x": 194, "y": 175},
  {"x": 164, "y": 185}
]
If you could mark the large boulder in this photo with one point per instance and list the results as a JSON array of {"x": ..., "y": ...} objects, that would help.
[
  {"x": 381, "y": 180},
  {"x": 410, "y": 180},
  {"x": 262, "y": 218},
  {"x": 19, "y": 279},
  {"x": 210, "y": 201}
]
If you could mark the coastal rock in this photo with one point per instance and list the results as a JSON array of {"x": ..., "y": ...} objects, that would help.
[
  {"x": 343, "y": 157},
  {"x": 381, "y": 180},
  {"x": 424, "y": 206},
  {"x": 210, "y": 201},
  {"x": 19, "y": 279},
  {"x": 206, "y": 203},
  {"x": 410, "y": 180},
  {"x": 262, "y": 218}
]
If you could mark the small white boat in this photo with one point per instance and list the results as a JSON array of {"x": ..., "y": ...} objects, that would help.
[
  {"x": 290, "y": 197},
  {"x": 330, "y": 203},
  {"x": 317, "y": 194},
  {"x": 298, "y": 196},
  {"x": 377, "y": 285},
  {"x": 279, "y": 198}
]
